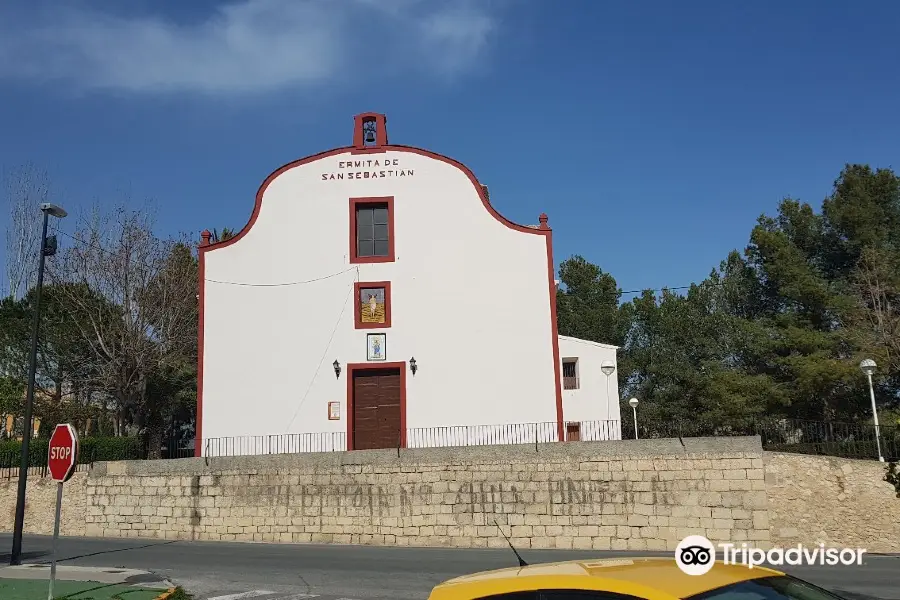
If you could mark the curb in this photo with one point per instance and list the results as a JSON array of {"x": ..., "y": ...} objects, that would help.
[{"x": 165, "y": 594}]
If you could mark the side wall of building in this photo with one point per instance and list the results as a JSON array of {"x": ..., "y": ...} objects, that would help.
[{"x": 595, "y": 403}]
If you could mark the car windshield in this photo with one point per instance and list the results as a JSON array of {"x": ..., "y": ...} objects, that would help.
[{"x": 781, "y": 587}]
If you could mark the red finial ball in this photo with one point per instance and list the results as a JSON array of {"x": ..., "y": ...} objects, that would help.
[
  {"x": 543, "y": 219},
  {"x": 206, "y": 235}
]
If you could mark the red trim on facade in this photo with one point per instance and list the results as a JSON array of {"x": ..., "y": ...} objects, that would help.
[
  {"x": 354, "y": 202},
  {"x": 357, "y": 304},
  {"x": 381, "y": 138},
  {"x": 544, "y": 231},
  {"x": 351, "y": 368},
  {"x": 557, "y": 367},
  {"x": 201, "y": 308}
]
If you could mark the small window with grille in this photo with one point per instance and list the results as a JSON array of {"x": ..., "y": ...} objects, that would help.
[{"x": 570, "y": 373}]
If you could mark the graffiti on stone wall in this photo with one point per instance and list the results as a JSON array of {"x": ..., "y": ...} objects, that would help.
[
  {"x": 564, "y": 496},
  {"x": 350, "y": 499},
  {"x": 487, "y": 498},
  {"x": 561, "y": 496}
]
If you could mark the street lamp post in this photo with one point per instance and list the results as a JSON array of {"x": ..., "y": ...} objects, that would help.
[
  {"x": 48, "y": 248},
  {"x": 868, "y": 367},
  {"x": 608, "y": 368},
  {"x": 633, "y": 404}
]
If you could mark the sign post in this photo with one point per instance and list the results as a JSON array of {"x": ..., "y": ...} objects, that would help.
[{"x": 61, "y": 462}]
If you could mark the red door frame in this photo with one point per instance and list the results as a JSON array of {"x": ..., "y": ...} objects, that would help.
[{"x": 351, "y": 369}]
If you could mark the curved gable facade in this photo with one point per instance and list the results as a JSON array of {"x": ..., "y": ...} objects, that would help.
[{"x": 374, "y": 296}]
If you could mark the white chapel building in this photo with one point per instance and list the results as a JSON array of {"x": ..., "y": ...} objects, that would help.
[{"x": 376, "y": 299}]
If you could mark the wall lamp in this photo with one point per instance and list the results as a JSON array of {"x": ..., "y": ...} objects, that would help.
[
  {"x": 337, "y": 369},
  {"x": 412, "y": 365}
]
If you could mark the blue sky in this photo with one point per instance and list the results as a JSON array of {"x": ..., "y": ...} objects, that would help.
[{"x": 653, "y": 133}]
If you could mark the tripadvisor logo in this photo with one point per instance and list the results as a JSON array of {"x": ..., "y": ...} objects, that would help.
[{"x": 696, "y": 555}]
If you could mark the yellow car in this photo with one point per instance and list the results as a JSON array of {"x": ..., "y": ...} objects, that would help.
[{"x": 628, "y": 579}]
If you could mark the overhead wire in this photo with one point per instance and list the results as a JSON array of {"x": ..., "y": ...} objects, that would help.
[
  {"x": 333, "y": 331},
  {"x": 324, "y": 277},
  {"x": 670, "y": 288},
  {"x": 283, "y": 284},
  {"x": 312, "y": 379},
  {"x": 237, "y": 283}
]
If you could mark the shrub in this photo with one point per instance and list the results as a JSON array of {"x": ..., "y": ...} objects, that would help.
[
  {"x": 892, "y": 476},
  {"x": 92, "y": 449}
]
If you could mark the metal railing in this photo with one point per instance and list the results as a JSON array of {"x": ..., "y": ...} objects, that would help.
[
  {"x": 847, "y": 440},
  {"x": 285, "y": 443},
  {"x": 10, "y": 464},
  {"x": 481, "y": 435},
  {"x": 851, "y": 440},
  {"x": 418, "y": 437},
  {"x": 92, "y": 450}
]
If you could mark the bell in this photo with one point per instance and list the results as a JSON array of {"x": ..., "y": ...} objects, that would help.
[{"x": 370, "y": 137}]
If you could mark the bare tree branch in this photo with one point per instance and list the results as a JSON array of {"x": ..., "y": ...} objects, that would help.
[
  {"x": 134, "y": 295},
  {"x": 25, "y": 188},
  {"x": 878, "y": 287}
]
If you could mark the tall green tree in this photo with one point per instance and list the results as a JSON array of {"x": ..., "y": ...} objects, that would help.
[
  {"x": 170, "y": 396},
  {"x": 587, "y": 302},
  {"x": 224, "y": 236},
  {"x": 62, "y": 363},
  {"x": 808, "y": 352},
  {"x": 145, "y": 323},
  {"x": 862, "y": 223},
  {"x": 684, "y": 352},
  {"x": 777, "y": 331},
  {"x": 12, "y": 392}
]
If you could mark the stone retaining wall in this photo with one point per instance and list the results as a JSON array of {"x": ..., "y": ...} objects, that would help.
[
  {"x": 836, "y": 501},
  {"x": 623, "y": 495},
  {"x": 40, "y": 505}
]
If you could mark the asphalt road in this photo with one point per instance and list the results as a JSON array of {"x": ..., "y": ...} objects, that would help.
[{"x": 214, "y": 569}]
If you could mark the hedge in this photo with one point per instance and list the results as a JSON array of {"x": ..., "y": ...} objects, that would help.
[
  {"x": 92, "y": 449},
  {"x": 863, "y": 449}
]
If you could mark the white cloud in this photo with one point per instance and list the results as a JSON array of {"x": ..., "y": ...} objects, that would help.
[{"x": 244, "y": 45}]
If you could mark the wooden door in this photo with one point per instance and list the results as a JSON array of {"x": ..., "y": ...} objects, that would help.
[
  {"x": 376, "y": 409},
  {"x": 573, "y": 432}
]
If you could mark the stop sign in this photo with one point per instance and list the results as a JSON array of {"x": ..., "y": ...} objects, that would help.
[{"x": 63, "y": 453}]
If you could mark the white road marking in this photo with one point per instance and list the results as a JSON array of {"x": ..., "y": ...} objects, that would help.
[
  {"x": 253, "y": 594},
  {"x": 297, "y": 597}
]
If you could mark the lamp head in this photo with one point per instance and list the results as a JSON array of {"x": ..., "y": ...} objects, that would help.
[
  {"x": 633, "y": 403},
  {"x": 53, "y": 210},
  {"x": 868, "y": 366}
]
